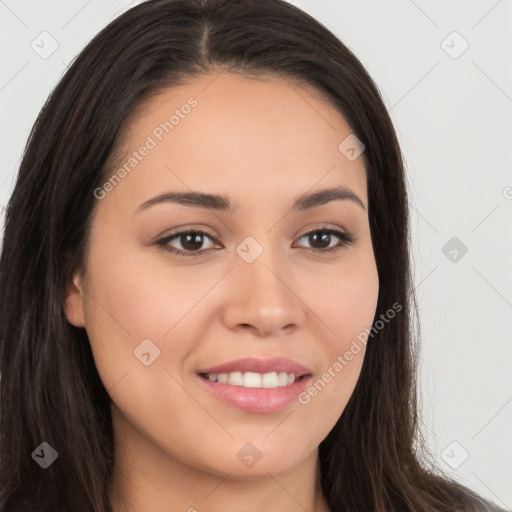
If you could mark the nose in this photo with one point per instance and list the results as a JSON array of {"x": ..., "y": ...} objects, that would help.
[{"x": 263, "y": 297}]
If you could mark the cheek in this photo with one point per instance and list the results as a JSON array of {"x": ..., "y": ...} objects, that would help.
[
  {"x": 124, "y": 305},
  {"x": 138, "y": 296},
  {"x": 348, "y": 309},
  {"x": 348, "y": 305}
]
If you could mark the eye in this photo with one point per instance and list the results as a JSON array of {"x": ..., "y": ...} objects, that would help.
[
  {"x": 323, "y": 237},
  {"x": 190, "y": 241}
]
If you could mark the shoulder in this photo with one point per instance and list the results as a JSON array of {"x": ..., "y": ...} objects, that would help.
[{"x": 478, "y": 503}]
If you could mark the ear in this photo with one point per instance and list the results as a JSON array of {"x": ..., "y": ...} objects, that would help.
[{"x": 73, "y": 301}]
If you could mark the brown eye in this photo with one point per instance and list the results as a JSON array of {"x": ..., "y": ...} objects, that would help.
[
  {"x": 191, "y": 242},
  {"x": 321, "y": 239}
]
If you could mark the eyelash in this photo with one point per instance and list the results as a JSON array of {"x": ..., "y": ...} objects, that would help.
[{"x": 345, "y": 239}]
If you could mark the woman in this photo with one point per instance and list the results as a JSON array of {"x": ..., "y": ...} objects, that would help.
[{"x": 206, "y": 293}]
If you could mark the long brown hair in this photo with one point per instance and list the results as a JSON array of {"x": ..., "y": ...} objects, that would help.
[{"x": 374, "y": 458}]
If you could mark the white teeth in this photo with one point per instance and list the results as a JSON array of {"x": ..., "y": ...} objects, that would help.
[
  {"x": 282, "y": 379},
  {"x": 236, "y": 378},
  {"x": 254, "y": 380},
  {"x": 269, "y": 380}
]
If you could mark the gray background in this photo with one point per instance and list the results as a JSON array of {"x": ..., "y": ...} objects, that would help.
[{"x": 452, "y": 112}]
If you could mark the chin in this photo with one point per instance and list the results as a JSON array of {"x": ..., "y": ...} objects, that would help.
[{"x": 246, "y": 461}]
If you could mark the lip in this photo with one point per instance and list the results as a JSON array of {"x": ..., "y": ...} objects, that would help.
[
  {"x": 257, "y": 400},
  {"x": 252, "y": 364}
]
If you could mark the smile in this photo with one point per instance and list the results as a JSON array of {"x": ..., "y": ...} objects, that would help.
[{"x": 255, "y": 398}]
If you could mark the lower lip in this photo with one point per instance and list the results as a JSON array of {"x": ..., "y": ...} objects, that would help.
[{"x": 261, "y": 400}]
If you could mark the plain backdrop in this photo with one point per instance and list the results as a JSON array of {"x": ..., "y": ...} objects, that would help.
[{"x": 444, "y": 71}]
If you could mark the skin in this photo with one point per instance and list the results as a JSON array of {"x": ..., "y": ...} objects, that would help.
[{"x": 262, "y": 143}]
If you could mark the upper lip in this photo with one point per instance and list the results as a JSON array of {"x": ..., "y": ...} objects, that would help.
[{"x": 251, "y": 364}]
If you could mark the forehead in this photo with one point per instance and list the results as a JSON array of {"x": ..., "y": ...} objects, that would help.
[{"x": 227, "y": 132}]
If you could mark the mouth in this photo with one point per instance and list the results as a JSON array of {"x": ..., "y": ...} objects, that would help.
[
  {"x": 255, "y": 393},
  {"x": 256, "y": 385}
]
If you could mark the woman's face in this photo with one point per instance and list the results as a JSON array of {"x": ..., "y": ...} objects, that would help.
[{"x": 258, "y": 289}]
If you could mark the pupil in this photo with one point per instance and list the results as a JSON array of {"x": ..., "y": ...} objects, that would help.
[
  {"x": 193, "y": 241},
  {"x": 322, "y": 236}
]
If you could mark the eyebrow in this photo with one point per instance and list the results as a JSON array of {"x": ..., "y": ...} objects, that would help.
[{"x": 222, "y": 203}]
